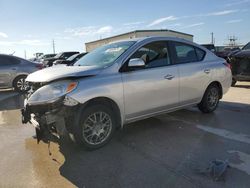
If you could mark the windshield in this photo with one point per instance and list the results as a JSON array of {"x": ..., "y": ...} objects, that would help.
[
  {"x": 105, "y": 55},
  {"x": 71, "y": 58},
  {"x": 58, "y": 55},
  {"x": 247, "y": 47}
]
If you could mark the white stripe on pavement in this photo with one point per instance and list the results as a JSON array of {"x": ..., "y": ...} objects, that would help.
[
  {"x": 244, "y": 165},
  {"x": 226, "y": 134}
]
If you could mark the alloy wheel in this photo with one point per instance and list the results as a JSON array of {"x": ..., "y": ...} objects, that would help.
[
  {"x": 22, "y": 85},
  {"x": 213, "y": 98},
  {"x": 97, "y": 128}
]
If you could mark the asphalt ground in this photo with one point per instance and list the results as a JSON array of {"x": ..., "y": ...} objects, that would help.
[{"x": 165, "y": 151}]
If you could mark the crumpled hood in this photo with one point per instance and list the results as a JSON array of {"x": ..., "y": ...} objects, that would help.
[{"x": 58, "y": 72}]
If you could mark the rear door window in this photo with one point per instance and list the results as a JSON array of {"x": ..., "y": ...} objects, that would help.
[
  {"x": 200, "y": 54},
  {"x": 186, "y": 53}
]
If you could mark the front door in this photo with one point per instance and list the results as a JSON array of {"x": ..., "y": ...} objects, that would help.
[{"x": 153, "y": 88}]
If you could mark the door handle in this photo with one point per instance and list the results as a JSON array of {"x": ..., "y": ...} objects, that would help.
[
  {"x": 13, "y": 68},
  {"x": 169, "y": 77},
  {"x": 207, "y": 71}
]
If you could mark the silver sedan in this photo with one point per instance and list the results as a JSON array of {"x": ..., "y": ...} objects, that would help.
[
  {"x": 121, "y": 83},
  {"x": 14, "y": 70}
]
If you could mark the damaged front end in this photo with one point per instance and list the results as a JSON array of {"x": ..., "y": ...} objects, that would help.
[{"x": 48, "y": 108}]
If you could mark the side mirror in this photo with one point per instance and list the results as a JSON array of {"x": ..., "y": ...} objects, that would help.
[{"x": 136, "y": 62}]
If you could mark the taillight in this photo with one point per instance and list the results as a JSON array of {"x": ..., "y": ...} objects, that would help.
[
  {"x": 39, "y": 66},
  {"x": 227, "y": 65}
]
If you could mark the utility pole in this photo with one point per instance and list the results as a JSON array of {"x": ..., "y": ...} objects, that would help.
[
  {"x": 212, "y": 38},
  {"x": 53, "y": 45},
  {"x": 25, "y": 54},
  {"x": 232, "y": 41}
]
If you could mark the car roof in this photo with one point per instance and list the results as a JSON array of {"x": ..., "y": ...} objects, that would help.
[
  {"x": 11, "y": 56},
  {"x": 177, "y": 39},
  {"x": 26, "y": 60},
  {"x": 156, "y": 38}
]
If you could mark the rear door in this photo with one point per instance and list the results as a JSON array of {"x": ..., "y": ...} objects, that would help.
[
  {"x": 8, "y": 69},
  {"x": 193, "y": 72},
  {"x": 153, "y": 88}
]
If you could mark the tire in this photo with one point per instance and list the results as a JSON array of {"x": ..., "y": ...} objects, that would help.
[
  {"x": 20, "y": 85},
  {"x": 233, "y": 82},
  {"x": 210, "y": 99},
  {"x": 85, "y": 131}
]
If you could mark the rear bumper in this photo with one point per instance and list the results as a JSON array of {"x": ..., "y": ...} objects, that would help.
[{"x": 227, "y": 81}]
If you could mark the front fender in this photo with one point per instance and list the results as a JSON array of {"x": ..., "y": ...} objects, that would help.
[{"x": 109, "y": 86}]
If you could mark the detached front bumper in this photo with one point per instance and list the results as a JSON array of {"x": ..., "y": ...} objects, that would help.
[{"x": 49, "y": 119}]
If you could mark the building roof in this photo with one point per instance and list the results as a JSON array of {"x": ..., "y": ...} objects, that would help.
[{"x": 138, "y": 31}]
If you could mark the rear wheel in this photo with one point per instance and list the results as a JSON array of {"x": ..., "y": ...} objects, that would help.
[
  {"x": 210, "y": 99},
  {"x": 20, "y": 84},
  {"x": 94, "y": 127}
]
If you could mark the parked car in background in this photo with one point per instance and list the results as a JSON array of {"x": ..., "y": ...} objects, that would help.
[
  {"x": 210, "y": 47},
  {"x": 71, "y": 60},
  {"x": 42, "y": 58},
  {"x": 46, "y": 56},
  {"x": 240, "y": 64},
  {"x": 124, "y": 82},
  {"x": 36, "y": 56},
  {"x": 227, "y": 52},
  {"x": 14, "y": 70},
  {"x": 223, "y": 53},
  {"x": 61, "y": 56}
]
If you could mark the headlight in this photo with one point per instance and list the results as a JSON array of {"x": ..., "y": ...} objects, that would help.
[{"x": 52, "y": 92}]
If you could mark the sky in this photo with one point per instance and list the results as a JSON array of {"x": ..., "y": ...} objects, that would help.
[{"x": 31, "y": 25}]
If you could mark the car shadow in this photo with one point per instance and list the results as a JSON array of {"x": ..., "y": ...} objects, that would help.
[
  {"x": 111, "y": 165},
  {"x": 101, "y": 167},
  {"x": 234, "y": 106},
  {"x": 10, "y": 100},
  {"x": 131, "y": 158},
  {"x": 242, "y": 86}
]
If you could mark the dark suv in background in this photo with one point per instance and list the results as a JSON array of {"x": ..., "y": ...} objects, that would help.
[
  {"x": 70, "y": 61},
  {"x": 210, "y": 47},
  {"x": 61, "y": 56},
  {"x": 240, "y": 64}
]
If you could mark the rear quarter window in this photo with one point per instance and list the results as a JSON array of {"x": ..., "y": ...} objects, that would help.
[
  {"x": 186, "y": 53},
  {"x": 200, "y": 54}
]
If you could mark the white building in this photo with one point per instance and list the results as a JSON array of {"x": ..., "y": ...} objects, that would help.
[{"x": 137, "y": 34}]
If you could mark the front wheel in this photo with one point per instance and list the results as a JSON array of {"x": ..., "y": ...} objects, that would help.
[
  {"x": 210, "y": 99},
  {"x": 94, "y": 127},
  {"x": 20, "y": 84}
]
